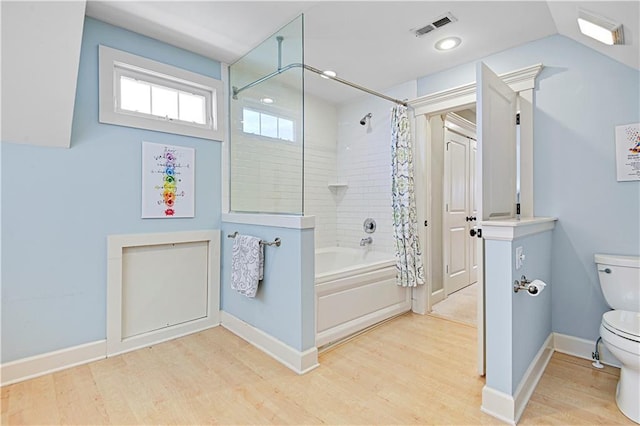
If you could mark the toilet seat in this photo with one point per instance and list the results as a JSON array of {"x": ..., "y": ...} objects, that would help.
[{"x": 625, "y": 324}]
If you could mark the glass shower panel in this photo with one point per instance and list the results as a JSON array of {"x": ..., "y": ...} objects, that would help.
[{"x": 266, "y": 137}]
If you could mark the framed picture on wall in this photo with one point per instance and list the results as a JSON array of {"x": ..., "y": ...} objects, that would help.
[
  {"x": 168, "y": 189},
  {"x": 628, "y": 152}
]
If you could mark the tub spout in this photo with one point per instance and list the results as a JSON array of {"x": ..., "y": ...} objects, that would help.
[{"x": 365, "y": 241}]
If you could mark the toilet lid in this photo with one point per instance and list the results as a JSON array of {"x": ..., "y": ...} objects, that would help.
[{"x": 623, "y": 323}]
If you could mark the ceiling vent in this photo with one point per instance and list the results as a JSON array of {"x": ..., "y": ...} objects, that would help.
[{"x": 439, "y": 22}]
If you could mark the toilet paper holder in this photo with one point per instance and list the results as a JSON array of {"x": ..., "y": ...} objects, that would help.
[{"x": 524, "y": 284}]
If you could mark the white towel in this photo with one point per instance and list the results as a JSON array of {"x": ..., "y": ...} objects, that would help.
[{"x": 247, "y": 265}]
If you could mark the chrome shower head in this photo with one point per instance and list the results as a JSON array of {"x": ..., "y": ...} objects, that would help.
[{"x": 364, "y": 119}]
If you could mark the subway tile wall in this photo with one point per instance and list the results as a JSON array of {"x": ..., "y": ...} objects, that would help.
[
  {"x": 320, "y": 168},
  {"x": 364, "y": 163},
  {"x": 337, "y": 149}
]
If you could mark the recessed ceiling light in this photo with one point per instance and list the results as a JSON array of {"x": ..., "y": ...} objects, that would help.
[
  {"x": 600, "y": 28},
  {"x": 328, "y": 73},
  {"x": 266, "y": 101},
  {"x": 448, "y": 43}
]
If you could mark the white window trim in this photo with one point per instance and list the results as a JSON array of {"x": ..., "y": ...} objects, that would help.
[{"x": 113, "y": 61}]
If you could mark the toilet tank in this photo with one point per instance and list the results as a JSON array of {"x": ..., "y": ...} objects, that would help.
[{"x": 620, "y": 280}]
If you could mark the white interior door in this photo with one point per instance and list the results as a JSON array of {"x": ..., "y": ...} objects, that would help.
[
  {"x": 496, "y": 167},
  {"x": 473, "y": 210},
  {"x": 456, "y": 212}
]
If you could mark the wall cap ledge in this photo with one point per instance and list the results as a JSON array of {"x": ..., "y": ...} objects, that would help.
[
  {"x": 511, "y": 229},
  {"x": 275, "y": 220}
]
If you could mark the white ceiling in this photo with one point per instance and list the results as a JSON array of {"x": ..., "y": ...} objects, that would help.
[{"x": 369, "y": 42}]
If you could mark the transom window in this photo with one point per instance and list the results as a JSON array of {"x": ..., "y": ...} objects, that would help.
[
  {"x": 267, "y": 124},
  {"x": 141, "y": 96},
  {"x": 139, "y": 92}
]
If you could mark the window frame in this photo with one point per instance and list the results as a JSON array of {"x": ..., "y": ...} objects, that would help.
[{"x": 115, "y": 63}]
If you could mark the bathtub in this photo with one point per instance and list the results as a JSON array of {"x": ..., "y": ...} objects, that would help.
[{"x": 355, "y": 288}]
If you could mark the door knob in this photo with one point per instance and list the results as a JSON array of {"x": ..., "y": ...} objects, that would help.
[
  {"x": 468, "y": 219},
  {"x": 476, "y": 233},
  {"x": 472, "y": 232}
]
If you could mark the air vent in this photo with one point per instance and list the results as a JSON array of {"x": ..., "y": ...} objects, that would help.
[
  {"x": 439, "y": 22},
  {"x": 424, "y": 30}
]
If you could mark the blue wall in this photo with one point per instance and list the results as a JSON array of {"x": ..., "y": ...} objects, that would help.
[
  {"x": 516, "y": 321},
  {"x": 284, "y": 304},
  {"x": 580, "y": 97},
  {"x": 498, "y": 314},
  {"x": 531, "y": 316},
  {"x": 59, "y": 205}
]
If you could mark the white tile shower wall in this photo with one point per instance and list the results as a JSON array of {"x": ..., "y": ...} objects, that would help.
[
  {"x": 320, "y": 168},
  {"x": 364, "y": 163},
  {"x": 266, "y": 173}
]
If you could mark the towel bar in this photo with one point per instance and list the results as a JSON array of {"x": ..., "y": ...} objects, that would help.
[{"x": 276, "y": 242}]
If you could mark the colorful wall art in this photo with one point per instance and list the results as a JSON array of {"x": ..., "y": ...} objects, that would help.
[
  {"x": 167, "y": 181},
  {"x": 628, "y": 152}
]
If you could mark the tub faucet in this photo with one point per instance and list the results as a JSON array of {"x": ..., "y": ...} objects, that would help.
[{"x": 365, "y": 241}]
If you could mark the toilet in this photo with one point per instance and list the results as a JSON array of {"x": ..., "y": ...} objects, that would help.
[{"x": 620, "y": 328}]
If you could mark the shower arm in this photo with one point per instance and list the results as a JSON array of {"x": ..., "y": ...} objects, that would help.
[{"x": 280, "y": 70}]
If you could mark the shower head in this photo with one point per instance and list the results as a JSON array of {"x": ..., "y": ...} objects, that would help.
[{"x": 364, "y": 119}]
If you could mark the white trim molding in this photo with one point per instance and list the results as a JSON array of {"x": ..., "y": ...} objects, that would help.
[
  {"x": 116, "y": 343},
  {"x": 39, "y": 365},
  {"x": 447, "y": 100},
  {"x": 460, "y": 125},
  {"x": 498, "y": 404},
  {"x": 300, "y": 362},
  {"x": 532, "y": 376},
  {"x": 509, "y": 408},
  {"x": 112, "y": 61},
  {"x": 511, "y": 229},
  {"x": 583, "y": 348}
]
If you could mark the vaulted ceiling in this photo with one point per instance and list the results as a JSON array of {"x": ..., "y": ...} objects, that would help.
[
  {"x": 370, "y": 42},
  {"x": 367, "y": 42}
]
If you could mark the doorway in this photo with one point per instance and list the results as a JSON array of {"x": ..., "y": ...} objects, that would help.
[
  {"x": 429, "y": 174},
  {"x": 457, "y": 135}
]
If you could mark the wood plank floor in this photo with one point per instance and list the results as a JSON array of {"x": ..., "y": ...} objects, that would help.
[{"x": 411, "y": 370}]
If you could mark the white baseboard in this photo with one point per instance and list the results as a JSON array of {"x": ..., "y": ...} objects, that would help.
[
  {"x": 509, "y": 408},
  {"x": 300, "y": 362},
  {"x": 532, "y": 376},
  {"x": 582, "y": 348},
  {"x": 115, "y": 347},
  {"x": 39, "y": 365},
  {"x": 437, "y": 296},
  {"x": 498, "y": 404}
]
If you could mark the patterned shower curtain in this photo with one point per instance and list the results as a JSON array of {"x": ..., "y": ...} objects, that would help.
[{"x": 408, "y": 255}]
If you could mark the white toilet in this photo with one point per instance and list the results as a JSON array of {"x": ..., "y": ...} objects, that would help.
[{"x": 620, "y": 328}]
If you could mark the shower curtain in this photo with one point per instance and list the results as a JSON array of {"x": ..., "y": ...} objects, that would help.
[{"x": 405, "y": 227}]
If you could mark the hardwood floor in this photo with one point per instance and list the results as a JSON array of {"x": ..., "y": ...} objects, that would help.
[{"x": 412, "y": 370}]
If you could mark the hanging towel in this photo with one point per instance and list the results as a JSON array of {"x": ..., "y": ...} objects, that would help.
[{"x": 247, "y": 265}]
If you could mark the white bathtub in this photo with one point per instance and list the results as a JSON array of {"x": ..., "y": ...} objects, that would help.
[{"x": 355, "y": 288}]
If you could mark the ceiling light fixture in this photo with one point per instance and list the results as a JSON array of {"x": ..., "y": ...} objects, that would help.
[
  {"x": 600, "y": 28},
  {"x": 448, "y": 43},
  {"x": 267, "y": 101},
  {"x": 328, "y": 74}
]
